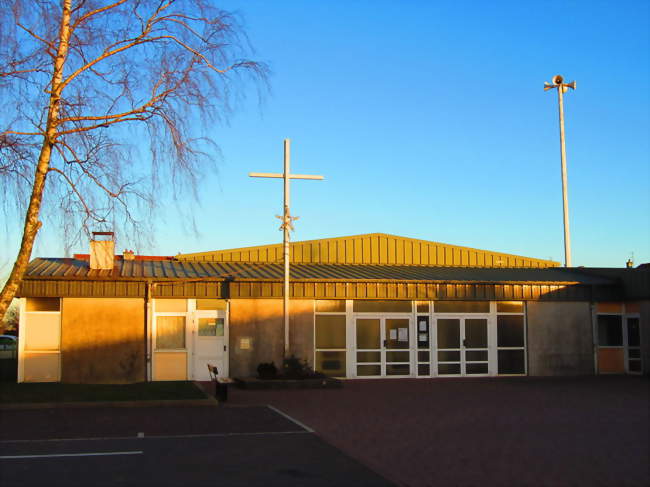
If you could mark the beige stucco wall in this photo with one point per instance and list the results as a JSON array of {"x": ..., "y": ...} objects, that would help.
[
  {"x": 560, "y": 338},
  {"x": 260, "y": 323},
  {"x": 102, "y": 340}
]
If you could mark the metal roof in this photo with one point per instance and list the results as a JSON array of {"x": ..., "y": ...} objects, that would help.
[
  {"x": 371, "y": 248},
  {"x": 76, "y": 269}
]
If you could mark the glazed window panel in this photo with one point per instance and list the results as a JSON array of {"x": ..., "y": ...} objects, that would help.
[
  {"x": 330, "y": 331},
  {"x": 330, "y": 305},
  {"x": 331, "y": 363},
  {"x": 510, "y": 331},
  {"x": 369, "y": 306},
  {"x": 510, "y": 307},
  {"x": 43, "y": 331},
  {"x": 368, "y": 334},
  {"x": 170, "y": 332},
  {"x": 461, "y": 306},
  {"x": 610, "y": 330}
]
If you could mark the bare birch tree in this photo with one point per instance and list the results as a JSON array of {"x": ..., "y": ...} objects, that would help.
[{"x": 84, "y": 83}]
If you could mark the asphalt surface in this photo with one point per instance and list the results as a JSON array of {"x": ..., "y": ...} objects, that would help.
[
  {"x": 569, "y": 431},
  {"x": 169, "y": 446}
]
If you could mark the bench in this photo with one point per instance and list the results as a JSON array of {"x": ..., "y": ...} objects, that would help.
[{"x": 220, "y": 383}]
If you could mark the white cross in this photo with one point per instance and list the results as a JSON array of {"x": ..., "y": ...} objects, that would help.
[{"x": 286, "y": 227}]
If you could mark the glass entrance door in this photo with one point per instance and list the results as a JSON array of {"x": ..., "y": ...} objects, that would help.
[
  {"x": 383, "y": 347},
  {"x": 462, "y": 346}
]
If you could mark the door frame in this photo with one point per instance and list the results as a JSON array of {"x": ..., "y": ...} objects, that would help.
[
  {"x": 382, "y": 317},
  {"x": 491, "y": 345},
  {"x": 210, "y": 313}
]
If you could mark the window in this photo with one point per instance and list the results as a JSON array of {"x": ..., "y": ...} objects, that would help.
[
  {"x": 461, "y": 306},
  {"x": 330, "y": 341},
  {"x": 170, "y": 332},
  {"x": 43, "y": 304},
  {"x": 610, "y": 330},
  {"x": 369, "y": 306},
  {"x": 330, "y": 306},
  {"x": 511, "y": 338}
]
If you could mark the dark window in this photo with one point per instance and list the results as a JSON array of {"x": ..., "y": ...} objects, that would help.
[
  {"x": 633, "y": 335},
  {"x": 610, "y": 330},
  {"x": 511, "y": 362},
  {"x": 510, "y": 331},
  {"x": 461, "y": 306}
]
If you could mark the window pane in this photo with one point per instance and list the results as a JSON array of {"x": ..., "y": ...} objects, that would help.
[
  {"x": 634, "y": 366},
  {"x": 423, "y": 356},
  {"x": 610, "y": 330},
  {"x": 170, "y": 332},
  {"x": 422, "y": 306},
  {"x": 330, "y": 305},
  {"x": 423, "y": 369},
  {"x": 207, "y": 327},
  {"x": 633, "y": 336},
  {"x": 331, "y": 363},
  {"x": 368, "y": 356},
  {"x": 368, "y": 334},
  {"x": 476, "y": 333},
  {"x": 397, "y": 356},
  {"x": 634, "y": 353},
  {"x": 510, "y": 331},
  {"x": 364, "y": 306},
  {"x": 510, "y": 307},
  {"x": 449, "y": 333},
  {"x": 461, "y": 306},
  {"x": 171, "y": 305},
  {"x": 43, "y": 304},
  {"x": 511, "y": 362},
  {"x": 448, "y": 356},
  {"x": 330, "y": 331},
  {"x": 364, "y": 370},
  {"x": 210, "y": 304},
  {"x": 476, "y": 368},
  {"x": 423, "y": 331},
  {"x": 476, "y": 356},
  {"x": 398, "y": 369},
  {"x": 397, "y": 333},
  {"x": 448, "y": 369}
]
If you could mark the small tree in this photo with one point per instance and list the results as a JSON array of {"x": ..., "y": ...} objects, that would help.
[{"x": 83, "y": 82}]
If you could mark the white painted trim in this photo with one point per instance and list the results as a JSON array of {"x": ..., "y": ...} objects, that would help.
[{"x": 22, "y": 333}]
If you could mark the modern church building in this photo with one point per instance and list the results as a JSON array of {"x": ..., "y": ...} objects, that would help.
[{"x": 364, "y": 306}]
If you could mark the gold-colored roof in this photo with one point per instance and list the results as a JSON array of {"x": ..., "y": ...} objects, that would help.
[{"x": 371, "y": 248}]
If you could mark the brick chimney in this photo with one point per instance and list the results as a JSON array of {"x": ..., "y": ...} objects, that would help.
[{"x": 102, "y": 250}]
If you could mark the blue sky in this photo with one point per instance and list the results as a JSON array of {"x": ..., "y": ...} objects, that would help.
[{"x": 429, "y": 120}]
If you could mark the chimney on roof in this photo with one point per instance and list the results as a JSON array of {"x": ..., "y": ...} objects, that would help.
[
  {"x": 128, "y": 255},
  {"x": 629, "y": 264},
  {"x": 102, "y": 250}
]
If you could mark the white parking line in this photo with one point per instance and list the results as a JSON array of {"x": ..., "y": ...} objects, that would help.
[
  {"x": 293, "y": 420},
  {"x": 159, "y": 437},
  {"x": 98, "y": 454}
]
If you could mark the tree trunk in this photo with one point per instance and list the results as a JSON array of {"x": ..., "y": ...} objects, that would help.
[{"x": 32, "y": 223}]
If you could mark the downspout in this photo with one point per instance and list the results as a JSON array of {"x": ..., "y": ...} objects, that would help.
[
  {"x": 148, "y": 327},
  {"x": 594, "y": 328}
]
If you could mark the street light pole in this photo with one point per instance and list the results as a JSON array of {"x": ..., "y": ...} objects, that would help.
[
  {"x": 286, "y": 227},
  {"x": 561, "y": 89}
]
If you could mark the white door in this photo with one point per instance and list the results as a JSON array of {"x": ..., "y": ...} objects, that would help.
[
  {"x": 210, "y": 343},
  {"x": 462, "y": 346},
  {"x": 383, "y": 346}
]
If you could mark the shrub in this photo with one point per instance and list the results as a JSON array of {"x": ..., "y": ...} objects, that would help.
[{"x": 267, "y": 370}]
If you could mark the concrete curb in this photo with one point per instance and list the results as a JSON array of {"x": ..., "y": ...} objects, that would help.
[{"x": 208, "y": 401}]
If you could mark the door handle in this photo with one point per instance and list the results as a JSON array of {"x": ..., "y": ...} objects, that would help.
[
  {"x": 224, "y": 348},
  {"x": 385, "y": 343},
  {"x": 464, "y": 342}
]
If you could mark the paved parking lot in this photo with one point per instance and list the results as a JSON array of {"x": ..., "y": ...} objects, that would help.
[
  {"x": 169, "y": 446},
  {"x": 483, "y": 432}
]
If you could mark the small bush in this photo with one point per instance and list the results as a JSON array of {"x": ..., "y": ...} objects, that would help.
[
  {"x": 267, "y": 370},
  {"x": 294, "y": 368}
]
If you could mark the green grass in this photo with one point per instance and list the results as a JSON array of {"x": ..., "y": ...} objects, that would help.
[{"x": 57, "y": 392}]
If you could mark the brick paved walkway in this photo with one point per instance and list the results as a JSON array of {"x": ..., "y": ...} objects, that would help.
[{"x": 483, "y": 432}]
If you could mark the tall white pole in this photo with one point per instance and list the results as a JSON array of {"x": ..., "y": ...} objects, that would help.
[
  {"x": 285, "y": 304},
  {"x": 286, "y": 227},
  {"x": 565, "y": 195}
]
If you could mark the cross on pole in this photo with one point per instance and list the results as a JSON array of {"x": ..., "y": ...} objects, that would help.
[{"x": 286, "y": 227}]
